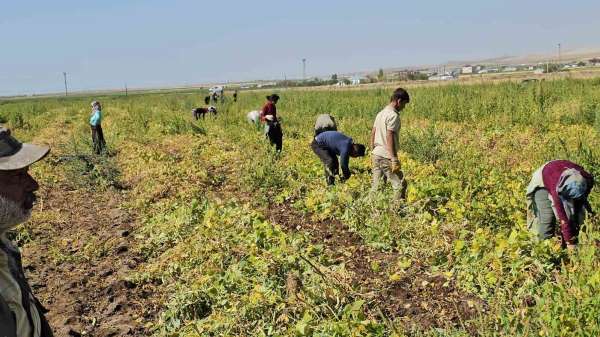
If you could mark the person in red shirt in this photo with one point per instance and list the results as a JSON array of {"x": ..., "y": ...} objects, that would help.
[
  {"x": 558, "y": 192},
  {"x": 268, "y": 115}
]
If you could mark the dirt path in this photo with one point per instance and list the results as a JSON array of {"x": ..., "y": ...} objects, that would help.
[{"x": 78, "y": 261}]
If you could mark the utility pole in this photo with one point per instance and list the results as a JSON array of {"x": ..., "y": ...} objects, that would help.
[
  {"x": 125, "y": 89},
  {"x": 65, "y": 76},
  {"x": 559, "y": 56},
  {"x": 303, "y": 69}
]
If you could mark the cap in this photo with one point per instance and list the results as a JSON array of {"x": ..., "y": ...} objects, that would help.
[
  {"x": 273, "y": 97},
  {"x": 94, "y": 103},
  {"x": 15, "y": 155}
]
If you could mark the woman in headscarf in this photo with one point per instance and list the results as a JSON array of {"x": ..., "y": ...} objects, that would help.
[
  {"x": 96, "y": 126},
  {"x": 558, "y": 192}
]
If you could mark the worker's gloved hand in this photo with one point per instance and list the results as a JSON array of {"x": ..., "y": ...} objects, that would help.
[
  {"x": 571, "y": 247},
  {"x": 396, "y": 168}
]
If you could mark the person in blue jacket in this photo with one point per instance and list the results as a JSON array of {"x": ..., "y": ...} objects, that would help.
[
  {"x": 330, "y": 144},
  {"x": 96, "y": 126}
]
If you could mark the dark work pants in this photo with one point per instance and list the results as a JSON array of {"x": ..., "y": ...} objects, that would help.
[
  {"x": 328, "y": 159},
  {"x": 275, "y": 135},
  {"x": 98, "y": 138}
]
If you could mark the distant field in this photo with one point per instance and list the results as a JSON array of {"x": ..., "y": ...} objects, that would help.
[{"x": 197, "y": 228}]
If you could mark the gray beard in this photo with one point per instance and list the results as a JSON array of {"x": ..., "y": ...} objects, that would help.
[{"x": 11, "y": 214}]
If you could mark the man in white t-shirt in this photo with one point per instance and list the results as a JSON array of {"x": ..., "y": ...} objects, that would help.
[{"x": 384, "y": 144}]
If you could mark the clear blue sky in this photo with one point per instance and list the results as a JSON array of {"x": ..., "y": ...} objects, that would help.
[{"x": 103, "y": 44}]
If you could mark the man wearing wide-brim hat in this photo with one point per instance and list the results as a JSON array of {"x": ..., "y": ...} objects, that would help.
[{"x": 21, "y": 314}]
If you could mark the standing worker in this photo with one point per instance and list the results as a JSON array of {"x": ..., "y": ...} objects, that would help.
[
  {"x": 325, "y": 122},
  {"x": 330, "y": 144},
  {"x": 384, "y": 144},
  {"x": 558, "y": 190},
  {"x": 268, "y": 116},
  {"x": 21, "y": 314},
  {"x": 96, "y": 126},
  {"x": 235, "y": 96}
]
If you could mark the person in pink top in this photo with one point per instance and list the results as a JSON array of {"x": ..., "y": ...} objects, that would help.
[{"x": 558, "y": 192}]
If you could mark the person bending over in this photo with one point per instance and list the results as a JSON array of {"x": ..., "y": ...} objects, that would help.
[
  {"x": 558, "y": 192},
  {"x": 328, "y": 146}
]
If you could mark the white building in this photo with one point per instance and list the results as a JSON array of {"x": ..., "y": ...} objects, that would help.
[
  {"x": 356, "y": 80},
  {"x": 467, "y": 70}
]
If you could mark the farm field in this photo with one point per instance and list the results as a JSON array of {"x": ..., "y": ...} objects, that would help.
[{"x": 190, "y": 228}]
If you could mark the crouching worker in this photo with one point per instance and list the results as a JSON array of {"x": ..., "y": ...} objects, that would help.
[
  {"x": 325, "y": 122},
  {"x": 21, "y": 314},
  {"x": 268, "y": 115},
  {"x": 253, "y": 117},
  {"x": 558, "y": 192},
  {"x": 201, "y": 112},
  {"x": 330, "y": 144}
]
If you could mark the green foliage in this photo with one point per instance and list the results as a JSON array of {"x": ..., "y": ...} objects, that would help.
[{"x": 201, "y": 188}]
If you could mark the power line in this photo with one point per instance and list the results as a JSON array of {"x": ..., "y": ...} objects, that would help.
[
  {"x": 304, "y": 69},
  {"x": 559, "y": 56},
  {"x": 66, "y": 90}
]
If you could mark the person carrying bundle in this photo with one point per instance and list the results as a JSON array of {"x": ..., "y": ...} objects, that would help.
[
  {"x": 327, "y": 145},
  {"x": 268, "y": 115},
  {"x": 558, "y": 190}
]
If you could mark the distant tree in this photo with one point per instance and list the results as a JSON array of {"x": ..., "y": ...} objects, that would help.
[
  {"x": 334, "y": 79},
  {"x": 581, "y": 64},
  {"x": 595, "y": 61},
  {"x": 380, "y": 75},
  {"x": 346, "y": 81},
  {"x": 552, "y": 67}
]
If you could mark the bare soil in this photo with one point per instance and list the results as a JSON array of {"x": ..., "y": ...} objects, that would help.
[
  {"x": 418, "y": 299},
  {"x": 78, "y": 264}
]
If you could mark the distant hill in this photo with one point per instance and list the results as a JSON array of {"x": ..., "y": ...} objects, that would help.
[{"x": 567, "y": 55}]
